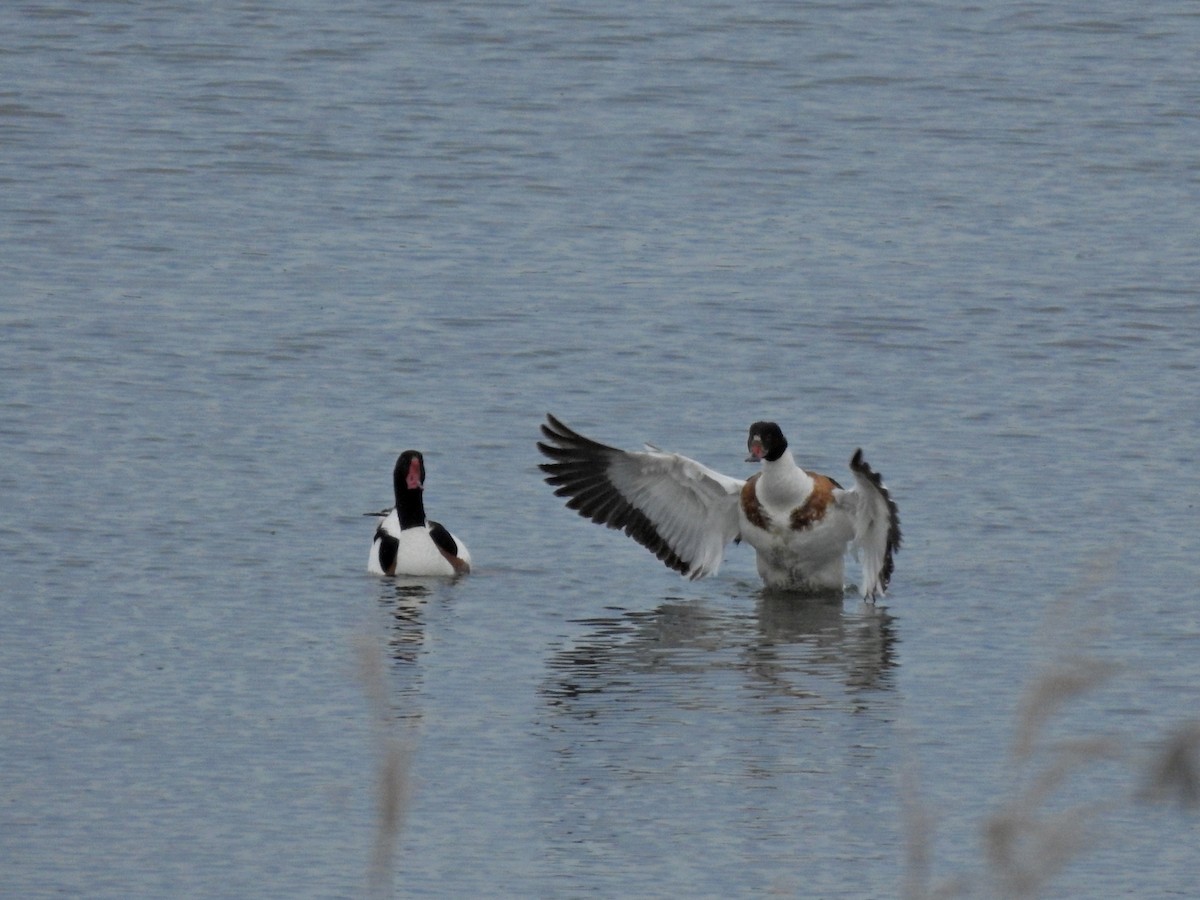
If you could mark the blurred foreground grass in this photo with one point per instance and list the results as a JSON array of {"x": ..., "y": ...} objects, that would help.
[{"x": 1036, "y": 830}]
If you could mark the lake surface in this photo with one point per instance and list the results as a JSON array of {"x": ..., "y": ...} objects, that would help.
[{"x": 250, "y": 252}]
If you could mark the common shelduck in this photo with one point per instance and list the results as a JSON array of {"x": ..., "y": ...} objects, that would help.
[
  {"x": 800, "y": 523},
  {"x": 405, "y": 542}
]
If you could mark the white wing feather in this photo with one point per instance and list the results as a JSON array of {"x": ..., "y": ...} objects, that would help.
[
  {"x": 876, "y": 527},
  {"x": 693, "y": 507}
]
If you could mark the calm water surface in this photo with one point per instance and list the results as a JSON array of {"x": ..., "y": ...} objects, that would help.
[{"x": 249, "y": 252}]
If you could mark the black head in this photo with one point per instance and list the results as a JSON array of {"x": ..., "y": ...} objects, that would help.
[
  {"x": 409, "y": 474},
  {"x": 766, "y": 441}
]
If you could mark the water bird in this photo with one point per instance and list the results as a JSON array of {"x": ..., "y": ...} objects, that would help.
[
  {"x": 800, "y": 523},
  {"x": 405, "y": 542}
]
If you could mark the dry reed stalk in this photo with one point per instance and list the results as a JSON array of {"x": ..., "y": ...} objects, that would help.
[
  {"x": 1028, "y": 841},
  {"x": 395, "y": 755}
]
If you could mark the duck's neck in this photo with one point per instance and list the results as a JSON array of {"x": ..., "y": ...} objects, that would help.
[
  {"x": 783, "y": 483},
  {"x": 410, "y": 507}
]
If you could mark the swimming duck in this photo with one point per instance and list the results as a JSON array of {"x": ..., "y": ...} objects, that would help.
[
  {"x": 405, "y": 542},
  {"x": 800, "y": 523}
]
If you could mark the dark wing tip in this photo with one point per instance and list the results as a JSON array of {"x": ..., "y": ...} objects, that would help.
[
  {"x": 562, "y": 437},
  {"x": 579, "y": 471},
  {"x": 553, "y": 429}
]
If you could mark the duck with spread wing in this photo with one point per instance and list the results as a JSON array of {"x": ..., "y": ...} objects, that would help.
[{"x": 800, "y": 523}]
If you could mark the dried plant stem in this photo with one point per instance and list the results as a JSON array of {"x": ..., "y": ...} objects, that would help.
[{"x": 395, "y": 755}]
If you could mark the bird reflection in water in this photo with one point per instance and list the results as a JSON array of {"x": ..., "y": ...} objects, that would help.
[
  {"x": 856, "y": 645},
  {"x": 749, "y": 721},
  {"x": 405, "y": 601},
  {"x": 788, "y": 651}
]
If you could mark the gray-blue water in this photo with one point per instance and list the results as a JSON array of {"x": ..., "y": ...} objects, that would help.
[{"x": 251, "y": 251}]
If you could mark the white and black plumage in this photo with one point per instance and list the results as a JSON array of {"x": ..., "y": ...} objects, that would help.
[
  {"x": 405, "y": 542},
  {"x": 800, "y": 523}
]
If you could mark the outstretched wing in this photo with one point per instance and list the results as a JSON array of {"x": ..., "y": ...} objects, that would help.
[
  {"x": 876, "y": 527},
  {"x": 681, "y": 511}
]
